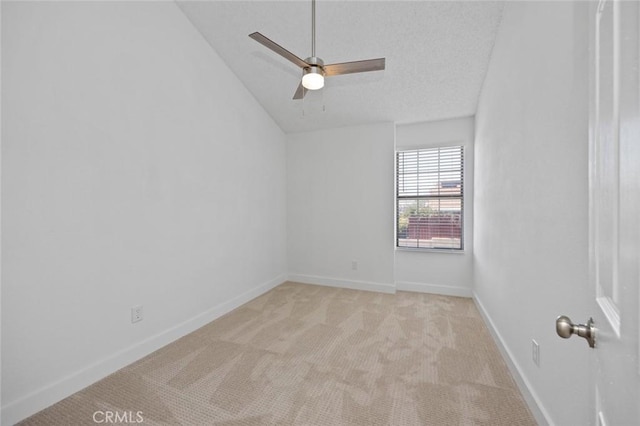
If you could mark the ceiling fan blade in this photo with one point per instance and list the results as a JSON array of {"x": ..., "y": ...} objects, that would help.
[
  {"x": 300, "y": 92},
  {"x": 278, "y": 49},
  {"x": 353, "y": 67}
]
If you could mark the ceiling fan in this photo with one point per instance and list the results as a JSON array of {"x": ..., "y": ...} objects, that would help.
[{"x": 313, "y": 68}]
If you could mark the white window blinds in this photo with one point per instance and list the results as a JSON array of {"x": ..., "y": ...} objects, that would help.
[{"x": 429, "y": 188}]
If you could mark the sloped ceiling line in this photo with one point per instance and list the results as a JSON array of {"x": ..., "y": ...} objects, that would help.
[{"x": 437, "y": 54}]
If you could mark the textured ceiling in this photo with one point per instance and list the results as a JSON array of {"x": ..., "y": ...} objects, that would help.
[{"x": 437, "y": 53}]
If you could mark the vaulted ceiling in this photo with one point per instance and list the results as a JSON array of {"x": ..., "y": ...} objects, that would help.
[{"x": 437, "y": 54}]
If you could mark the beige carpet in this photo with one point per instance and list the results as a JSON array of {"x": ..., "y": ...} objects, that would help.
[{"x": 311, "y": 355}]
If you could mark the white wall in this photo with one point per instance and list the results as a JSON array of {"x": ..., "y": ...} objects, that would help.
[
  {"x": 341, "y": 209},
  {"x": 437, "y": 271},
  {"x": 340, "y": 206},
  {"x": 1, "y": 133},
  {"x": 136, "y": 169},
  {"x": 531, "y": 224}
]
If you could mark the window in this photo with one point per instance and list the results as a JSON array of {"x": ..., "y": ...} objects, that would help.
[{"x": 429, "y": 191}]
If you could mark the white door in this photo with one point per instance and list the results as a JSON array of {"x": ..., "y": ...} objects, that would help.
[{"x": 614, "y": 210}]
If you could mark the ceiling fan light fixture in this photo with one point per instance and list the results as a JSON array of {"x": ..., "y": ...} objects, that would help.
[
  {"x": 313, "y": 78},
  {"x": 313, "y": 68}
]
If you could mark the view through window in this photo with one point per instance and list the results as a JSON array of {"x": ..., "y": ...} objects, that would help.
[{"x": 429, "y": 188}]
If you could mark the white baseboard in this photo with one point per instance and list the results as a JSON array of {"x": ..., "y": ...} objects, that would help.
[
  {"x": 533, "y": 401},
  {"x": 343, "y": 283},
  {"x": 24, "y": 407},
  {"x": 445, "y": 290}
]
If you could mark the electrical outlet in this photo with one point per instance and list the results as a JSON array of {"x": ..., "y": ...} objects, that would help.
[
  {"x": 535, "y": 352},
  {"x": 354, "y": 265},
  {"x": 136, "y": 313}
]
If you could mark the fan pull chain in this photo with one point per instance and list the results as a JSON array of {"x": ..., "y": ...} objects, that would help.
[{"x": 313, "y": 104}]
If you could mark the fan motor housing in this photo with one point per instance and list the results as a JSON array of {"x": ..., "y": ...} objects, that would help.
[{"x": 316, "y": 63}]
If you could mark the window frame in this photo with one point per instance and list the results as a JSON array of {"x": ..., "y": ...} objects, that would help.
[{"x": 462, "y": 147}]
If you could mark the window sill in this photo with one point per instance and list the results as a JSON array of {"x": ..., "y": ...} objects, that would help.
[{"x": 429, "y": 250}]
